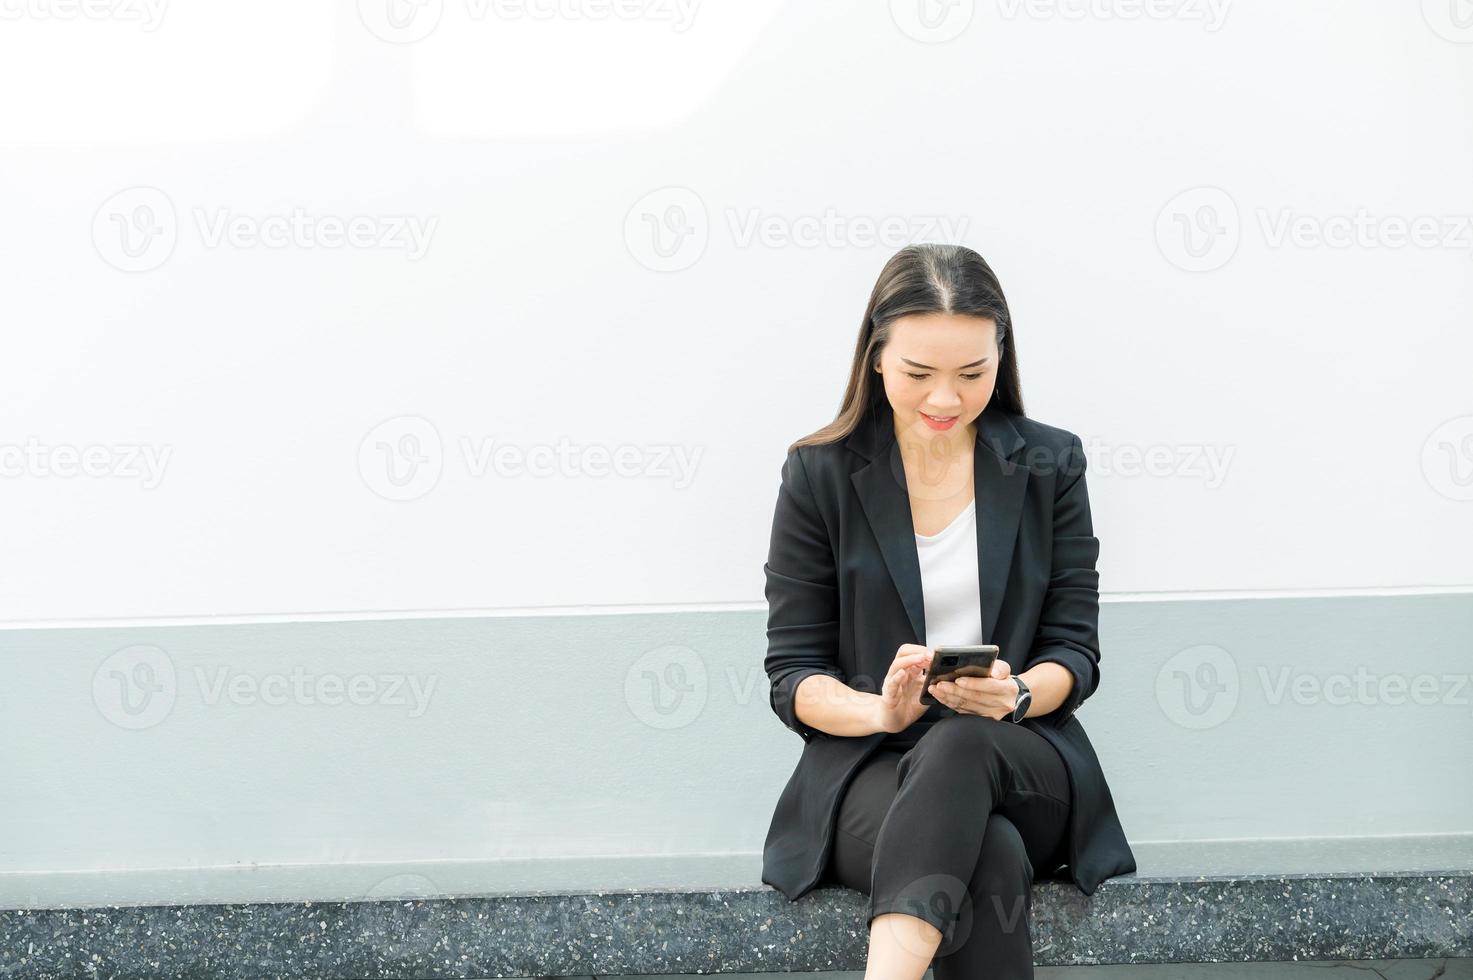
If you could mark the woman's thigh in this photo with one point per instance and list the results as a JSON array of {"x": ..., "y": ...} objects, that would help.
[
  {"x": 1035, "y": 799},
  {"x": 861, "y": 812},
  {"x": 1037, "y": 796}
]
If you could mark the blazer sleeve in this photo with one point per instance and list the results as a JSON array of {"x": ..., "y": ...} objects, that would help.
[
  {"x": 802, "y": 596},
  {"x": 1068, "y": 625}
]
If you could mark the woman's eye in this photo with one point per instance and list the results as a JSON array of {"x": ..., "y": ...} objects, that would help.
[
  {"x": 971, "y": 377},
  {"x": 918, "y": 377}
]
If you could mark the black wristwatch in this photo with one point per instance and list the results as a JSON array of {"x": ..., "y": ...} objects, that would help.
[{"x": 1025, "y": 697}]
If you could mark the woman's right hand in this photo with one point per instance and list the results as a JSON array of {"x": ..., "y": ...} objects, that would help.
[{"x": 900, "y": 695}]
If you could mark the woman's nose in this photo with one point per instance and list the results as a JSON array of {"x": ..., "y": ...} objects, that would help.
[{"x": 945, "y": 397}]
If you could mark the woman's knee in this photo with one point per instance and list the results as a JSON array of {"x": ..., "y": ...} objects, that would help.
[{"x": 954, "y": 739}]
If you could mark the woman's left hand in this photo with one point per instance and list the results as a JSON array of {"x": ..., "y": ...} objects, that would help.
[{"x": 991, "y": 697}]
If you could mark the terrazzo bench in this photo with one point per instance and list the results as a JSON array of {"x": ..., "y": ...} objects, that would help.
[{"x": 1129, "y": 919}]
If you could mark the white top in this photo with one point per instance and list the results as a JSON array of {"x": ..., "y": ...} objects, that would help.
[{"x": 949, "y": 582}]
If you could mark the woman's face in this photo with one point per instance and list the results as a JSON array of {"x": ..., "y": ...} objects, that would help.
[{"x": 939, "y": 367}]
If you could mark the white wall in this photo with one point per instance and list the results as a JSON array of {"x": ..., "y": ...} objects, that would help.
[{"x": 534, "y": 155}]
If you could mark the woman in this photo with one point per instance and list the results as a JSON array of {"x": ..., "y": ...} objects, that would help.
[{"x": 932, "y": 512}]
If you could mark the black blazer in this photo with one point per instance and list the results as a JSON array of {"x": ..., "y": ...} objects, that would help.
[{"x": 844, "y": 592}]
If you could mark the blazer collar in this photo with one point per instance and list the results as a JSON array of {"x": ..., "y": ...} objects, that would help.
[{"x": 999, "y": 485}]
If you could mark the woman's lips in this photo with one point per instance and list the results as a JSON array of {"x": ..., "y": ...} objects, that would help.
[{"x": 937, "y": 424}]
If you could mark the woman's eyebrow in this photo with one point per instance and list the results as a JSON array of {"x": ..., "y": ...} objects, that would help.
[{"x": 930, "y": 368}]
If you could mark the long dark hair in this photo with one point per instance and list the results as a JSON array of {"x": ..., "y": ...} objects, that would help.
[{"x": 924, "y": 278}]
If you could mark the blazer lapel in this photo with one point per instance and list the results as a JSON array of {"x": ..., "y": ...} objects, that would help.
[
  {"x": 999, "y": 484},
  {"x": 886, "y": 501}
]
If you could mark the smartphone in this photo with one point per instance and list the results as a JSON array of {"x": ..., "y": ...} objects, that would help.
[{"x": 949, "y": 663}]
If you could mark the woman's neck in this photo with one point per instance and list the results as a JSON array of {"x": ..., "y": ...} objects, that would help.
[{"x": 937, "y": 468}]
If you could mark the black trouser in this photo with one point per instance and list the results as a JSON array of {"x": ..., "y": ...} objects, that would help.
[{"x": 953, "y": 831}]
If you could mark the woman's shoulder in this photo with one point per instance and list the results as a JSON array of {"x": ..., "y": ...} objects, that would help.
[
  {"x": 822, "y": 459},
  {"x": 1041, "y": 434},
  {"x": 820, "y": 470},
  {"x": 1049, "y": 448}
]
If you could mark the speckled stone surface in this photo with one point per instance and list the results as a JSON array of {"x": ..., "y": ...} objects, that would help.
[{"x": 1127, "y": 920}]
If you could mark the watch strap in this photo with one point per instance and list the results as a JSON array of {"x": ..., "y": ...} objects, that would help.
[{"x": 1025, "y": 696}]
